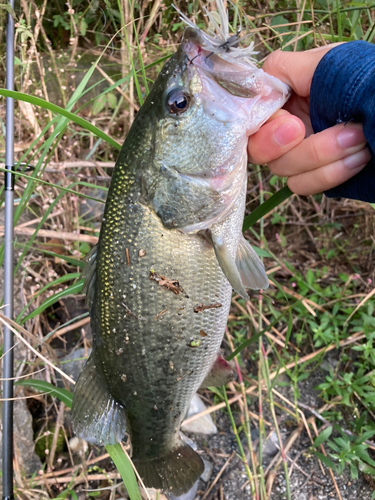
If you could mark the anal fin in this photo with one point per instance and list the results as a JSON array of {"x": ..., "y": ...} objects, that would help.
[
  {"x": 250, "y": 267},
  {"x": 220, "y": 374},
  {"x": 96, "y": 416}
]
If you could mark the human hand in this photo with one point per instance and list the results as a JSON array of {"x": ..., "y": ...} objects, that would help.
[{"x": 312, "y": 162}]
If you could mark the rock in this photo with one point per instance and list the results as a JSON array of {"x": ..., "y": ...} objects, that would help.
[
  {"x": 188, "y": 441},
  {"x": 26, "y": 460},
  {"x": 24, "y": 448},
  {"x": 203, "y": 425},
  {"x": 208, "y": 468},
  {"x": 152, "y": 494},
  {"x": 190, "y": 495},
  {"x": 73, "y": 363},
  {"x": 270, "y": 447}
]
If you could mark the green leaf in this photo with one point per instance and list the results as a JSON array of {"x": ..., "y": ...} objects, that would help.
[
  {"x": 99, "y": 104},
  {"x": 367, "y": 469},
  {"x": 266, "y": 207},
  {"x": 323, "y": 436},
  {"x": 61, "y": 111},
  {"x": 41, "y": 385},
  {"x": 327, "y": 461},
  {"x": 112, "y": 101},
  {"x": 83, "y": 26}
]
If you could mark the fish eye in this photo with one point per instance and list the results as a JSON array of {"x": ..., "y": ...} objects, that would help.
[{"x": 178, "y": 101}]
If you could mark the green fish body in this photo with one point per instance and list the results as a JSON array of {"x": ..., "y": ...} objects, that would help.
[{"x": 170, "y": 251}]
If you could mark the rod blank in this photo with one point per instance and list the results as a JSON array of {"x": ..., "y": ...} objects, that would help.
[{"x": 8, "y": 270}]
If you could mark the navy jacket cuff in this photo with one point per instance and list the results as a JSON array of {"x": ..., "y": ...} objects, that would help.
[{"x": 343, "y": 90}]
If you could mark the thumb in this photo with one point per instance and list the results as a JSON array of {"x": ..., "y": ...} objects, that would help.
[{"x": 275, "y": 138}]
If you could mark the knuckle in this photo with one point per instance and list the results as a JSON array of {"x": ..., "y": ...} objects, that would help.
[
  {"x": 277, "y": 167},
  {"x": 275, "y": 59},
  {"x": 313, "y": 153}
]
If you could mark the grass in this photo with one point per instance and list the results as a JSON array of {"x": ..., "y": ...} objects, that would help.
[{"x": 315, "y": 323}]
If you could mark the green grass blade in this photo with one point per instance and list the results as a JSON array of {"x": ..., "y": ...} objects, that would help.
[
  {"x": 70, "y": 260},
  {"x": 62, "y": 188},
  {"x": 62, "y": 279},
  {"x": 266, "y": 207},
  {"x": 125, "y": 469},
  {"x": 71, "y": 290},
  {"x": 43, "y": 386},
  {"x": 37, "y": 101},
  {"x": 257, "y": 336}
]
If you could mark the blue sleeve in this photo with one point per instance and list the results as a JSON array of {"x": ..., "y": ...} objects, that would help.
[{"x": 343, "y": 90}]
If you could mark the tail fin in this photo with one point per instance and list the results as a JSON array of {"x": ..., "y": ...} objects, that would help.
[
  {"x": 174, "y": 473},
  {"x": 96, "y": 416}
]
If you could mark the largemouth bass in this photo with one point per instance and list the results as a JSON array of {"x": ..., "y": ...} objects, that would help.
[{"x": 170, "y": 251}]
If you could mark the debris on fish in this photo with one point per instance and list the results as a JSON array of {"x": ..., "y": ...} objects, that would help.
[{"x": 171, "y": 248}]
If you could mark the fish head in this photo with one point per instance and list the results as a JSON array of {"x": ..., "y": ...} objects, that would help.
[{"x": 201, "y": 110}]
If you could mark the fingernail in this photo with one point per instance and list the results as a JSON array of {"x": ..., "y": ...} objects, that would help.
[
  {"x": 358, "y": 159},
  {"x": 286, "y": 133},
  {"x": 349, "y": 136}
]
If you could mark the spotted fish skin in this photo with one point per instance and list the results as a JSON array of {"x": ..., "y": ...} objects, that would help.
[{"x": 160, "y": 280}]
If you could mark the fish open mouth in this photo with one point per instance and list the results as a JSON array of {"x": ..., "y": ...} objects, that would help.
[{"x": 238, "y": 75}]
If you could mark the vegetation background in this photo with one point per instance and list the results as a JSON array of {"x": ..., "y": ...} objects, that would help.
[{"x": 303, "y": 352}]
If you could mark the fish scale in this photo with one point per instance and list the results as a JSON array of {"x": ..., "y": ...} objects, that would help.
[
  {"x": 170, "y": 251},
  {"x": 174, "y": 330}
]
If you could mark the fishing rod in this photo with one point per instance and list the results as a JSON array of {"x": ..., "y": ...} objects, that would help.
[{"x": 8, "y": 268}]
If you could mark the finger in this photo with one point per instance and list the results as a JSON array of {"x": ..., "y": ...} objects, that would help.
[
  {"x": 275, "y": 138},
  {"x": 320, "y": 149},
  {"x": 295, "y": 68},
  {"x": 329, "y": 176}
]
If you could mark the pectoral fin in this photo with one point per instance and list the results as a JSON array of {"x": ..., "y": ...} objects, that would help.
[
  {"x": 246, "y": 271},
  {"x": 250, "y": 267},
  {"x": 228, "y": 265}
]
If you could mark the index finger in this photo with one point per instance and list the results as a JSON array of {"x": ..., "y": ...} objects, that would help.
[{"x": 296, "y": 68}]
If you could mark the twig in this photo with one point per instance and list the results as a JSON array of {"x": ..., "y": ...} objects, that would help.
[
  {"x": 47, "y": 233},
  {"x": 59, "y": 423},
  {"x": 69, "y": 328},
  {"x": 363, "y": 301},
  {"x": 218, "y": 476},
  {"x": 111, "y": 82},
  {"x": 350, "y": 340},
  {"x": 7, "y": 323},
  {"x": 211, "y": 409},
  {"x": 76, "y": 480}
]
